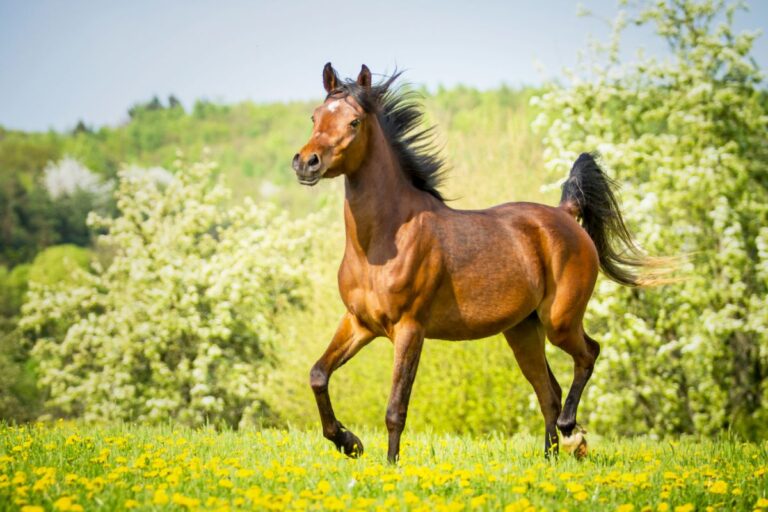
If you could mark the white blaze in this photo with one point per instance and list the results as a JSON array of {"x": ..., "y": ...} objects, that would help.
[{"x": 332, "y": 106}]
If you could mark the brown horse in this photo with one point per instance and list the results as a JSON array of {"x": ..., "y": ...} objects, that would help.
[{"x": 416, "y": 268}]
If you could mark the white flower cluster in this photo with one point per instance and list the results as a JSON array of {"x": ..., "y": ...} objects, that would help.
[
  {"x": 68, "y": 176},
  {"x": 181, "y": 323}
]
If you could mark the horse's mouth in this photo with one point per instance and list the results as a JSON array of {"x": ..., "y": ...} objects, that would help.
[{"x": 310, "y": 181}]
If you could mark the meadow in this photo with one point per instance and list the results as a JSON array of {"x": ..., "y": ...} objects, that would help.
[{"x": 68, "y": 466}]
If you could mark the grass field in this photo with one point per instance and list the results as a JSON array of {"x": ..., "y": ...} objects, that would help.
[{"x": 71, "y": 466}]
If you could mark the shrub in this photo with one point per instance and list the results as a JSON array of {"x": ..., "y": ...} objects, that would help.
[
  {"x": 180, "y": 323},
  {"x": 686, "y": 138}
]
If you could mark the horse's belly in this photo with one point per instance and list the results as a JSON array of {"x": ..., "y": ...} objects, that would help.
[{"x": 481, "y": 307}]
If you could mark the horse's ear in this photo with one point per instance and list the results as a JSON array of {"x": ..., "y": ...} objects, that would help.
[
  {"x": 364, "y": 78},
  {"x": 330, "y": 78}
]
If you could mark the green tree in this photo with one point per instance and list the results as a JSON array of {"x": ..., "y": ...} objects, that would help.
[{"x": 685, "y": 136}]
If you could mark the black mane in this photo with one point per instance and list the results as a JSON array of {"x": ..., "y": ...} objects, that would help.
[{"x": 400, "y": 117}]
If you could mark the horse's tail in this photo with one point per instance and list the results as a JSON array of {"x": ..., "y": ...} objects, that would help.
[{"x": 588, "y": 194}]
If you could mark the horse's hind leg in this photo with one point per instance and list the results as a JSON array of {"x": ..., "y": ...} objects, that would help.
[
  {"x": 555, "y": 385},
  {"x": 584, "y": 351},
  {"x": 527, "y": 342}
]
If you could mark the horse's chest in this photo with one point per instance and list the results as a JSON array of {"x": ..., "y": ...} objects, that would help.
[{"x": 381, "y": 294}]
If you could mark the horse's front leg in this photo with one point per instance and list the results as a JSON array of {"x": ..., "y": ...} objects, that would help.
[
  {"x": 408, "y": 340},
  {"x": 350, "y": 337}
]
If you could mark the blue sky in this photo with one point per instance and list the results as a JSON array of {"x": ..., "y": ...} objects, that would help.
[{"x": 61, "y": 61}]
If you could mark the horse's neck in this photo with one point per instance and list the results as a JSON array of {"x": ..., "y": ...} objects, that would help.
[{"x": 379, "y": 198}]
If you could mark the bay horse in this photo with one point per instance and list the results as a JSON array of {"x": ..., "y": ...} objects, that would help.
[{"x": 415, "y": 268}]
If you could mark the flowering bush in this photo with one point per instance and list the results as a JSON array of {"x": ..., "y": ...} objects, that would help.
[
  {"x": 68, "y": 176},
  {"x": 180, "y": 323},
  {"x": 686, "y": 137}
]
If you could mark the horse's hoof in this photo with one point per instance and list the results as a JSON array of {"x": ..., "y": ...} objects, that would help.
[
  {"x": 576, "y": 443},
  {"x": 567, "y": 427},
  {"x": 350, "y": 444}
]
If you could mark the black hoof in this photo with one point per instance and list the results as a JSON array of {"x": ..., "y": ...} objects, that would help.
[
  {"x": 350, "y": 444},
  {"x": 566, "y": 425}
]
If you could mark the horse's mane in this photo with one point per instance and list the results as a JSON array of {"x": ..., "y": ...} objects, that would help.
[{"x": 401, "y": 116}]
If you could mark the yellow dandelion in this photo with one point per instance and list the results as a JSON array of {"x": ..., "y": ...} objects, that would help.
[
  {"x": 688, "y": 507},
  {"x": 160, "y": 497},
  {"x": 518, "y": 506},
  {"x": 67, "y": 504},
  {"x": 663, "y": 507},
  {"x": 32, "y": 508},
  {"x": 547, "y": 487},
  {"x": 718, "y": 487},
  {"x": 762, "y": 503},
  {"x": 131, "y": 504},
  {"x": 226, "y": 483},
  {"x": 185, "y": 501},
  {"x": 627, "y": 507},
  {"x": 323, "y": 486},
  {"x": 410, "y": 498},
  {"x": 333, "y": 503},
  {"x": 581, "y": 496}
]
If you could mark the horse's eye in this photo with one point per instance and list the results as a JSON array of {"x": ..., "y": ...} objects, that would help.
[
  {"x": 355, "y": 123},
  {"x": 312, "y": 119}
]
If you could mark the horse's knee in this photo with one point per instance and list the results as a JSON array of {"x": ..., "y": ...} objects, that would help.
[
  {"x": 395, "y": 420},
  {"x": 318, "y": 379}
]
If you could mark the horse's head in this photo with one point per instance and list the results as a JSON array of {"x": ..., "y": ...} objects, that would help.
[{"x": 340, "y": 131}]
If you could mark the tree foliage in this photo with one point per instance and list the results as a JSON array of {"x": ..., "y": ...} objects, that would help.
[
  {"x": 685, "y": 135},
  {"x": 180, "y": 323}
]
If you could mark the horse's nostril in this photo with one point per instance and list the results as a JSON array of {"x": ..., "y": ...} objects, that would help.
[
  {"x": 296, "y": 162},
  {"x": 314, "y": 162}
]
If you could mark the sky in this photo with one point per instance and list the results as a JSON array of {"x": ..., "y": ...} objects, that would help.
[{"x": 62, "y": 61}]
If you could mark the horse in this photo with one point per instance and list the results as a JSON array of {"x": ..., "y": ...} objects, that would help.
[{"x": 415, "y": 268}]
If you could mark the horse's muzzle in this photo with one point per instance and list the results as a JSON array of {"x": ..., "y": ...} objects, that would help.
[{"x": 307, "y": 171}]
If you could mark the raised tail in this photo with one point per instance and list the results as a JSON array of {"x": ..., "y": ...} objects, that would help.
[{"x": 588, "y": 195}]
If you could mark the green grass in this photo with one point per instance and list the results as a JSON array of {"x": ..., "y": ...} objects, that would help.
[{"x": 69, "y": 466}]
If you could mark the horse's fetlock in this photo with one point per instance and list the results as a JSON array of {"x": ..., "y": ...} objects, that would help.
[
  {"x": 331, "y": 432},
  {"x": 566, "y": 425}
]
